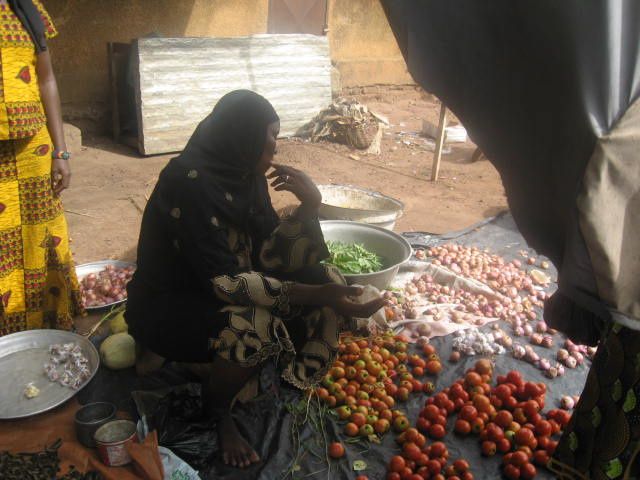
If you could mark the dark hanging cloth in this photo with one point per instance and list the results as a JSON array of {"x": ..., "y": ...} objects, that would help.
[
  {"x": 31, "y": 19},
  {"x": 536, "y": 84}
]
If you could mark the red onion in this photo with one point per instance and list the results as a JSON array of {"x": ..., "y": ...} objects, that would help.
[{"x": 106, "y": 286}]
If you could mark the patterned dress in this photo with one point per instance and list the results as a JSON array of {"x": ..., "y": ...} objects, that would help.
[
  {"x": 38, "y": 286},
  {"x": 602, "y": 440},
  {"x": 205, "y": 287}
]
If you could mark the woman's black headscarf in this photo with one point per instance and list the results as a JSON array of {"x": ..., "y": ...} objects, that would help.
[
  {"x": 31, "y": 19},
  {"x": 227, "y": 146}
]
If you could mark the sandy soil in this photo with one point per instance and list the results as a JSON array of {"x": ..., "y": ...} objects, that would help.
[{"x": 111, "y": 182}]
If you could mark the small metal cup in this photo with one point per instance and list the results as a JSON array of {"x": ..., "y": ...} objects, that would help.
[{"x": 91, "y": 417}]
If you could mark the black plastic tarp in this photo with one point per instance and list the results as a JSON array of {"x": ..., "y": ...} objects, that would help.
[
  {"x": 536, "y": 84},
  {"x": 170, "y": 401}
]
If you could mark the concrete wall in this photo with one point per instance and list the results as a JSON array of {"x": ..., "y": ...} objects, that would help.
[{"x": 363, "y": 47}]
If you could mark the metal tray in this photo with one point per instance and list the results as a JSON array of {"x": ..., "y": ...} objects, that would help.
[
  {"x": 22, "y": 359},
  {"x": 95, "y": 267}
]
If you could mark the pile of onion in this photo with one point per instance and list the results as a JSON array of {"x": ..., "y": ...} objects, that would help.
[{"x": 106, "y": 286}]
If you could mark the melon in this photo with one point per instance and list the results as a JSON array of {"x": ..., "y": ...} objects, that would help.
[{"x": 118, "y": 351}]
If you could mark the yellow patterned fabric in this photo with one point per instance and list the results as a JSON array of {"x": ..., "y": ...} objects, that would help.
[
  {"x": 38, "y": 284},
  {"x": 21, "y": 112}
]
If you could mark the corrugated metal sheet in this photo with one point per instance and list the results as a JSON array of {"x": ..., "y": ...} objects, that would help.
[{"x": 181, "y": 79}]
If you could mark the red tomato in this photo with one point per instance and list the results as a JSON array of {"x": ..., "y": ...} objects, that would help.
[
  {"x": 397, "y": 463},
  {"x": 462, "y": 427},
  {"x": 511, "y": 472},
  {"x": 431, "y": 412},
  {"x": 437, "y": 449},
  {"x": 433, "y": 367},
  {"x": 468, "y": 413},
  {"x": 461, "y": 465},
  {"x": 544, "y": 428},
  {"x": 514, "y": 377},
  {"x": 531, "y": 390},
  {"x": 422, "y": 460},
  {"x": 519, "y": 458},
  {"x": 362, "y": 477},
  {"x": 359, "y": 419},
  {"x": 441, "y": 420},
  {"x": 423, "y": 472},
  {"x": 503, "y": 445},
  {"x": 437, "y": 431},
  {"x": 524, "y": 436},
  {"x": 477, "y": 425},
  {"x": 393, "y": 476},
  {"x": 482, "y": 403},
  {"x": 488, "y": 448},
  {"x": 422, "y": 424},
  {"x": 510, "y": 403},
  {"x": 410, "y": 434},
  {"x": 406, "y": 472},
  {"x": 467, "y": 476},
  {"x": 503, "y": 418},
  {"x": 528, "y": 471},
  {"x": 553, "y": 444},
  {"x": 449, "y": 471},
  {"x": 530, "y": 408},
  {"x": 495, "y": 434},
  {"x": 541, "y": 457},
  {"x": 351, "y": 429},
  {"x": 527, "y": 450},
  {"x": 502, "y": 392},
  {"x": 434, "y": 467},
  {"x": 411, "y": 450},
  {"x": 472, "y": 379},
  {"x": 336, "y": 450},
  {"x": 381, "y": 425}
]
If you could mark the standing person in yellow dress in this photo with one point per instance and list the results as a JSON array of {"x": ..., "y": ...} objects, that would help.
[{"x": 38, "y": 284}]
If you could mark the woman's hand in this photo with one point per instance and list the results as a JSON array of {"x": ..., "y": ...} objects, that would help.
[
  {"x": 297, "y": 182},
  {"x": 339, "y": 298},
  {"x": 60, "y": 175}
]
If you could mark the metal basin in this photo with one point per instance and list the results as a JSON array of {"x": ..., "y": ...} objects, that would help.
[
  {"x": 344, "y": 202},
  {"x": 391, "y": 247}
]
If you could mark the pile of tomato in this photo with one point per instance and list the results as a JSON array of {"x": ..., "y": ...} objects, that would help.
[
  {"x": 507, "y": 419},
  {"x": 370, "y": 376}
]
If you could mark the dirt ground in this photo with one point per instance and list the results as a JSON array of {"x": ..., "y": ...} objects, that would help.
[{"x": 111, "y": 182}]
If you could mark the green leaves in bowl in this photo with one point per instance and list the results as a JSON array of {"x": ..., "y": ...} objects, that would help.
[{"x": 353, "y": 258}]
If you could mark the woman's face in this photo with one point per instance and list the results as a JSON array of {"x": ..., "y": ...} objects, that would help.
[{"x": 264, "y": 164}]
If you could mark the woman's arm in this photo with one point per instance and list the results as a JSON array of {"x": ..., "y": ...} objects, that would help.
[{"x": 60, "y": 170}]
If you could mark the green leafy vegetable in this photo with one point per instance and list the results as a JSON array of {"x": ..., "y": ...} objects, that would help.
[{"x": 353, "y": 258}]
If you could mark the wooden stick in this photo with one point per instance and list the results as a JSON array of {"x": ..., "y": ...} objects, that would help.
[
  {"x": 80, "y": 213},
  {"x": 135, "y": 204},
  {"x": 437, "y": 155}
]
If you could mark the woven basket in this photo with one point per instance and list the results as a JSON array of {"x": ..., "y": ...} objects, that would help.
[{"x": 358, "y": 135}]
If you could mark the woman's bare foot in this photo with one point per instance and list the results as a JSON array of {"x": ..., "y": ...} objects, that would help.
[{"x": 235, "y": 449}]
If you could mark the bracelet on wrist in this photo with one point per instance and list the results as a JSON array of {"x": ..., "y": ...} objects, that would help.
[{"x": 60, "y": 154}]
